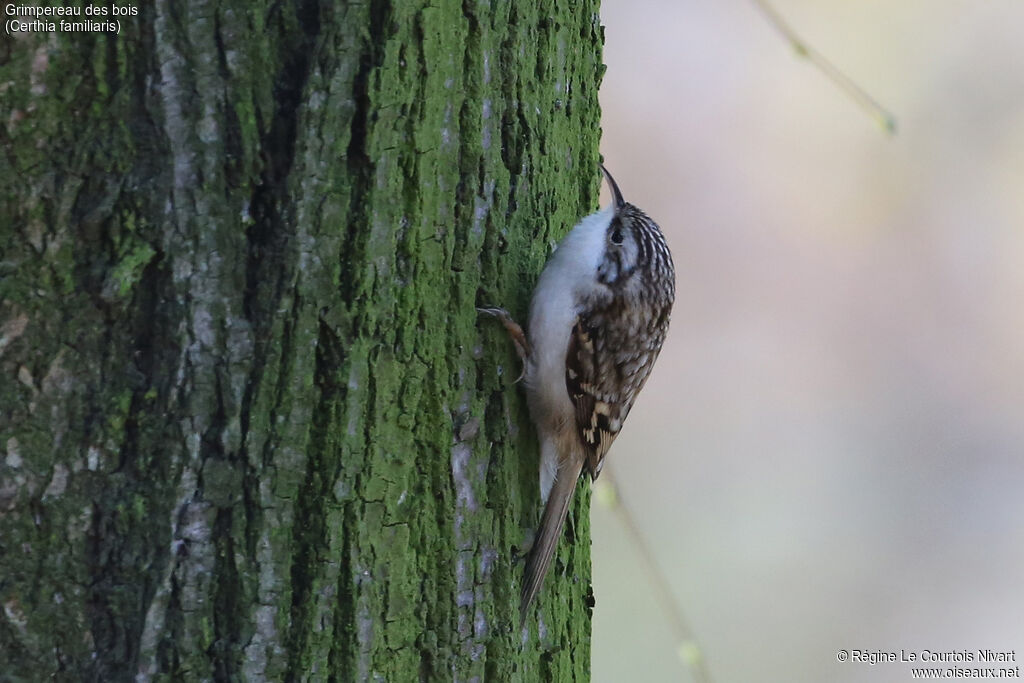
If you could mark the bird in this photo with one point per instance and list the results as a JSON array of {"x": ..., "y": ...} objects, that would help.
[{"x": 598, "y": 318}]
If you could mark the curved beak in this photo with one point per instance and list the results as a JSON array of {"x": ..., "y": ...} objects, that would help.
[{"x": 616, "y": 194}]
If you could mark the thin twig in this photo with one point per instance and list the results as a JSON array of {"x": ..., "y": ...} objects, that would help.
[
  {"x": 842, "y": 81},
  {"x": 689, "y": 650}
]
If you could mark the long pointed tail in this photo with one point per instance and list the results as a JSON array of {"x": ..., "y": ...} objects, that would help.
[{"x": 548, "y": 534}]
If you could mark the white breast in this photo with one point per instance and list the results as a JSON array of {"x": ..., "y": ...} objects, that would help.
[{"x": 568, "y": 277}]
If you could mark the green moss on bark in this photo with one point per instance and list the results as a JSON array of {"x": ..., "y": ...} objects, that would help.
[{"x": 253, "y": 426}]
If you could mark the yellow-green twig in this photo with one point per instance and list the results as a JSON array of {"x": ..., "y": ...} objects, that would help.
[
  {"x": 841, "y": 80},
  {"x": 688, "y": 649}
]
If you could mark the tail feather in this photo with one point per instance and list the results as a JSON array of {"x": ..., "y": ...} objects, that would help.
[{"x": 548, "y": 535}]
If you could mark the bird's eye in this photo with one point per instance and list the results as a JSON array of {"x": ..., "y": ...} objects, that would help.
[{"x": 617, "y": 236}]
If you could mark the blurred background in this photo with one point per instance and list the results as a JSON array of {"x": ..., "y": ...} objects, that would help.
[{"x": 830, "y": 453}]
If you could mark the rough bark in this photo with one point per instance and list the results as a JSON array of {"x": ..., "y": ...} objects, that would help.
[{"x": 251, "y": 425}]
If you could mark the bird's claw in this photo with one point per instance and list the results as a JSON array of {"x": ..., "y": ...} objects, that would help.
[{"x": 515, "y": 331}]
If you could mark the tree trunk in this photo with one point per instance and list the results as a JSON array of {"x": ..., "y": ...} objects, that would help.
[{"x": 252, "y": 427}]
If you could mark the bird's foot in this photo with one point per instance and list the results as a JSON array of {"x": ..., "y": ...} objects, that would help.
[{"x": 515, "y": 331}]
